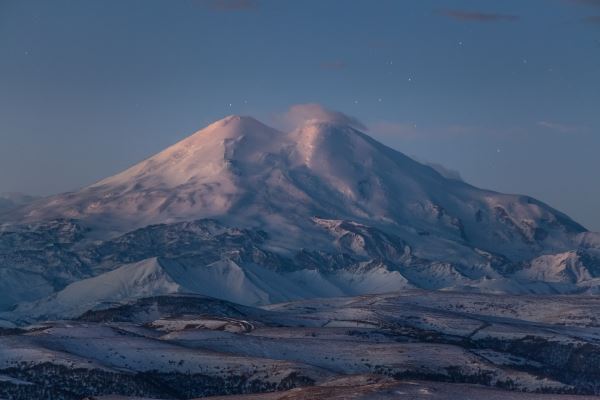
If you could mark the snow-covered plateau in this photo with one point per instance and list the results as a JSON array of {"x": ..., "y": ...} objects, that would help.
[{"x": 190, "y": 346}]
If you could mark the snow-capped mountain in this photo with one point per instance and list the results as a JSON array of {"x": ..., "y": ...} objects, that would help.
[
  {"x": 265, "y": 215},
  {"x": 247, "y": 174}
]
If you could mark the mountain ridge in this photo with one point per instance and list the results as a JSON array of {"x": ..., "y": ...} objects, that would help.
[
  {"x": 308, "y": 166},
  {"x": 321, "y": 209}
]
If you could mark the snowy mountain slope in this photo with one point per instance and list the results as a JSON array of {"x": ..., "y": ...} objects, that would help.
[
  {"x": 18, "y": 286},
  {"x": 247, "y": 174},
  {"x": 230, "y": 264},
  {"x": 250, "y": 285},
  {"x": 142, "y": 279},
  {"x": 321, "y": 211}
]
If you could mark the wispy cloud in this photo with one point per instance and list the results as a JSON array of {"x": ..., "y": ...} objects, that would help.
[
  {"x": 334, "y": 65},
  {"x": 410, "y": 131},
  {"x": 445, "y": 171},
  {"x": 441, "y": 169},
  {"x": 231, "y": 5},
  {"x": 560, "y": 127},
  {"x": 474, "y": 16},
  {"x": 299, "y": 114}
]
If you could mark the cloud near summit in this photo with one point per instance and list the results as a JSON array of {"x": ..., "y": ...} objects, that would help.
[{"x": 299, "y": 114}]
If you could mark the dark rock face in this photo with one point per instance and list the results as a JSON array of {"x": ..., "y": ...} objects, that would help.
[
  {"x": 205, "y": 240},
  {"x": 169, "y": 305}
]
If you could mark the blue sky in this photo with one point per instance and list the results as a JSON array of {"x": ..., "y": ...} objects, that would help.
[{"x": 507, "y": 92}]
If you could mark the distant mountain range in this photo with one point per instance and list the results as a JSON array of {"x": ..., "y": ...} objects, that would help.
[
  {"x": 11, "y": 200},
  {"x": 250, "y": 214}
]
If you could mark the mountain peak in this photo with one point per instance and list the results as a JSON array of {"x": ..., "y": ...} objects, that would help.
[
  {"x": 206, "y": 154},
  {"x": 238, "y": 120},
  {"x": 239, "y": 170},
  {"x": 230, "y": 127}
]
